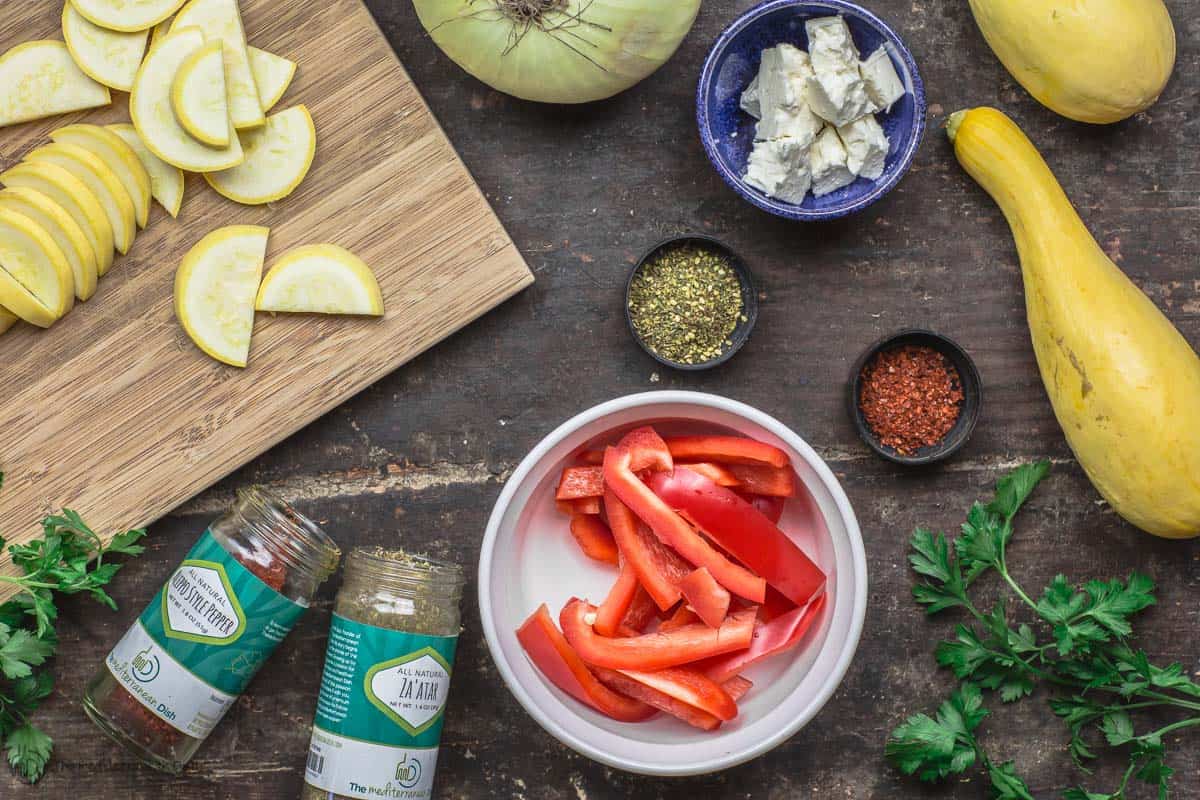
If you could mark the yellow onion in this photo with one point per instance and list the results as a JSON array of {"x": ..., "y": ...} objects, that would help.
[{"x": 558, "y": 51}]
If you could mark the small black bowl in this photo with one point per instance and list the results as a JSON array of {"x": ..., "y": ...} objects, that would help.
[
  {"x": 749, "y": 299},
  {"x": 972, "y": 389}
]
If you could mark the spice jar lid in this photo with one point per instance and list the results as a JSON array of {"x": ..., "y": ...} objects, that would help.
[
  {"x": 968, "y": 380},
  {"x": 749, "y": 298}
]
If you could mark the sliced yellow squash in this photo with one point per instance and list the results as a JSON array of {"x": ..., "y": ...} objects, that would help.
[
  {"x": 166, "y": 181},
  {"x": 77, "y": 199},
  {"x": 110, "y": 57},
  {"x": 30, "y": 257},
  {"x": 272, "y": 75},
  {"x": 39, "y": 79},
  {"x": 278, "y": 156},
  {"x": 198, "y": 95},
  {"x": 120, "y": 158},
  {"x": 97, "y": 176},
  {"x": 150, "y": 107},
  {"x": 126, "y": 15},
  {"x": 320, "y": 279},
  {"x": 221, "y": 19},
  {"x": 65, "y": 232},
  {"x": 7, "y": 319},
  {"x": 215, "y": 288},
  {"x": 160, "y": 30}
]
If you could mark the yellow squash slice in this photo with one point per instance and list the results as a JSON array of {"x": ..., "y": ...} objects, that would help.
[
  {"x": 166, "y": 181},
  {"x": 272, "y": 75},
  {"x": 65, "y": 232},
  {"x": 278, "y": 156},
  {"x": 320, "y": 279},
  {"x": 77, "y": 199},
  {"x": 120, "y": 158},
  {"x": 198, "y": 95},
  {"x": 7, "y": 319},
  {"x": 150, "y": 107},
  {"x": 30, "y": 259},
  {"x": 110, "y": 57},
  {"x": 104, "y": 184},
  {"x": 215, "y": 288},
  {"x": 39, "y": 79},
  {"x": 221, "y": 19},
  {"x": 126, "y": 15},
  {"x": 160, "y": 30}
]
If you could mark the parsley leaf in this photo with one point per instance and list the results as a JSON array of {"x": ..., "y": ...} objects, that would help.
[
  {"x": 934, "y": 748},
  {"x": 28, "y": 751}
]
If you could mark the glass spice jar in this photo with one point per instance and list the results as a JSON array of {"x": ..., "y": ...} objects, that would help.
[
  {"x": 233, "y": 599},
  {"x": 386, "y": 679}
]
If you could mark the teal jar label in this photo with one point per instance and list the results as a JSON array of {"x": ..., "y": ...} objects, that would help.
[
  {"x": 197, "y": 645},
  {"x": 380, "y": 711}
]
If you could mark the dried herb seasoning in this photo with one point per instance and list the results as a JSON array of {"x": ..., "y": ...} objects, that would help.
[
  {"x": 911, "y": 397},
  {"x": 685, "y": 303}
]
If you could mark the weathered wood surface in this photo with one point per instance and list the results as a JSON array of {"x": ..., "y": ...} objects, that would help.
[{"x": 420, "y": 456}]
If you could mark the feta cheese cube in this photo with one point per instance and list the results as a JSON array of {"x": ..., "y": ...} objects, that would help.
[
  {"x": 883, "y": 84},
  {"x": 782, "y": 79},
  {"x": 827, "y": 162},
  {"x": 836, "y": 90},
  {"x": 866, "y": 147},
  {"x": 749, "y": 101},
  {"x": 801, "y": 125},
  {"x": 779, "y": 169}
]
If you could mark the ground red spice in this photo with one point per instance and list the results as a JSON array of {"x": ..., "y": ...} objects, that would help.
[{"x": 911, "y": 397}]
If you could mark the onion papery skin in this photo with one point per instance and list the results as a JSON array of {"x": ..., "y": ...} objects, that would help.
[{"x": 610, "y": 46}]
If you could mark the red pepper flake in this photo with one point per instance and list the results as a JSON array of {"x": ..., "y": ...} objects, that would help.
[{"x": 911, "y": 397}]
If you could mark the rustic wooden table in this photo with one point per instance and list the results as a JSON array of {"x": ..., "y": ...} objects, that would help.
[{"x": 420, "y": 457}]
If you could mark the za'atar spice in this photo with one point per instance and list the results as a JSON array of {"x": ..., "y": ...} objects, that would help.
[
  {"x": 685, "y": 303},
  {"x": 911, "y": 397}
]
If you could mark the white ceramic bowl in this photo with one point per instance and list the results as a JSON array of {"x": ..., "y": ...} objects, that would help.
[{"x": 530, "y": 558}]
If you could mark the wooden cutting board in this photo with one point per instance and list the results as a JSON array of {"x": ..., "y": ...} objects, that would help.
[{"x": 115, "y": 413}]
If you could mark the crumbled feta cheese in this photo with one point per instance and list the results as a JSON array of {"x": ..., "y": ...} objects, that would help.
[
  {"x": 883, "y": 84},
  {"x": 866, "y": 147},
  {"x": 749, "y": 101},
  {"x": 779, "y": 169},
  {"x": 827, "y": 161},
  {"x": 836, "y": 90}
]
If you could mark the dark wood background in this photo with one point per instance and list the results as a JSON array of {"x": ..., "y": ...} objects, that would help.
[{"x": 420, "y": 457}]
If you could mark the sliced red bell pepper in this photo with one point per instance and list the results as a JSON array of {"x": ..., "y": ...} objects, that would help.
[
  {"x": 646, "y": 449},
  {"x": 736, "y": 526},
  {"x": 770, "y": 638},
  {"x": 616, "y": 605},
  {"x": 717, "y": 473},
  {"x": 726, "y": 450},
  {"x": 706, "y": 597},
  {"x": 593, "y": 456},
  {"x": 758, "y": 479},
  {"x": 689, "y": 686},
  {"x": 652, "y": 651},
  {"x": 631, "y": 688},
  {"x": 682, "y": 616},
  {"x": 737, "y": 686},
  {"x": 769, "y": 507},
  {"x": 580, "y": 482},
  {"x": 658, "y": 568},
  {"x": 594, "y": 538},
  {"x": 562, "y": 666},
  {"x": 580, "y": 505},
  {"x": 672, "y": 529},
  {"x": 641, "y": 611},
  {"x": 776, "y": 605}
]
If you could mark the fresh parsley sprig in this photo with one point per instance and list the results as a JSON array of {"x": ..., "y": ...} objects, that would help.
[
  {"x": 69, "y": 558},
  {"x": 1078, "y": 646}
]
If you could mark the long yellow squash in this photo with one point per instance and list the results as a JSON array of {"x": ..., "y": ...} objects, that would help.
[
  {"x": 1091, "y": 60},
  {"x": 1124, "y": 383}
]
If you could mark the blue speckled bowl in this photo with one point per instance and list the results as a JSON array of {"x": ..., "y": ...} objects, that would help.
[{"x": 728, "y": 133}]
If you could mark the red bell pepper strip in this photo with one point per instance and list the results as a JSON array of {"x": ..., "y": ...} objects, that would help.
[
  {"x": 658, "y": 569},
  {"x": 718, "y": 474},
  {"x": 706, "y": 597},
  {"x": 594, "y": 456},
  {"x": 652, "y": 651},
  {"x": 631, "y": 688},
  {"x": 616, "y": 605},
  {"x": 690, "y": 687},
  {"x": 736, "y": 526},
  {"x": 580, "y": 505},
  {"x": 726, "y": 450},
  {"x": 580, "y": 482},
  {"x": 737, "y": 686},
  {"x": 756, "y": 479},
  {"x": 776, "y": 605},
  {"x": 594, "y": 538},
  {"x": 770, "y": 638},
  {"x": 672, "y": 529},
  {"x": 682, "y": 616},
  {"x": 641, "y": 611},
  {"x": 769, "y": 507},
  {"x": 562, "y": 666}
]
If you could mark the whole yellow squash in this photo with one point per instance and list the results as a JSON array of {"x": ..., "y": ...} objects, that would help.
[
  {"x": 1091, "y": 60},
  {"x": 1124, "y": 383}
]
